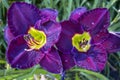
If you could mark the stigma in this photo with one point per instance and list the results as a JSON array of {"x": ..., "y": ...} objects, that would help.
[{"x": 81, "y": 41}]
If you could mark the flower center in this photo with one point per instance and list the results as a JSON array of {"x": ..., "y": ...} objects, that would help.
[
  {"x": 81, "y": 41},
  {"x": 35, "y": 39}
]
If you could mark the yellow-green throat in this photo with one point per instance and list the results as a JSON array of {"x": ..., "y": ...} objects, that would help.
[
  {"x": 81, "y": 41},
  {"x": 35, "y": 39}
]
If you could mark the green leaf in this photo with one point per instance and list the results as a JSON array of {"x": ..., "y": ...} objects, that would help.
[
  {"x": 111, "y": 3},
  {"x": 5, "y": 3},
  {"x": 76, "y": 76},
  {"x": 98, "y": 75},
  {"x": 2, "y": 61},
  {"x": 89, "y": 77}
]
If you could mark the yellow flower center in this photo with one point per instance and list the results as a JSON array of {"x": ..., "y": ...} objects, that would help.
[
  {"x": 35, "y": 39},
  {"x": 81, "y": 41}
]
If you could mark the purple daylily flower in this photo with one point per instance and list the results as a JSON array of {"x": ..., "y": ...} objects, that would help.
[
  {"x": 85, "y": 37},
  {"x": 31, "y": 34}
]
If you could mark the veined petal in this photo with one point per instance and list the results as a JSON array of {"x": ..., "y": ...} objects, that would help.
[
  {"x": 64, "y": 44},
  {"x": 67, "y": 61},
  {"x": 48, "y": 13},
  {"x": 100, "y": 37},
  {"x": 52, "y": 62},
  {"x": 95, "y": 59},
  {"x": 112, "y": 44},
  {"x": 68, "y": 30},
  {"x": 118, "y": 33},
  {"x": 19, "y": 57},
  {"x": 96, "y": 63},
  {"x": 8, "y": 35},
  {"x": 21, "y": 16},
  {"x": 77, "y": 13},
  {"x": 95, "y": 20},
  {"x": 52, "y": 30},
  {"x": 79, "y": 55}
]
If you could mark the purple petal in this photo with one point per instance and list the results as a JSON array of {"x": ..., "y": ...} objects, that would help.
[
  {"x": 95, "y": 20},
  {"x": 21, "y": 16},
  {"x": 8, "y": 35},
  {"x": 52, "y": 30},
  {"x": 48, "y": 13},
  {"x": 100, "y": 37},
  {"x": 67, "y": 61},
  {"x": 64, "y": 44},
  {"x": 78, "y": 55},
  {"x": 77, "y": 13},
  {"x": 87, "y": 63},
  {"x": 18, "y": 57},
  {"x": 95, "y": 60},
  {"x": 52, "y": 62},
  {"x": 118, "y": 33},
  {"x": 112, "y": 44},
  {"x": 100, "y": 61},
  {"x": 68, "y": 30},
  {"x": 96, "y": 63}
]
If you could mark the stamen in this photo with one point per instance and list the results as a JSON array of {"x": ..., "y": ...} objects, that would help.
[
  {"x": 28, "y": 49},
  {"x": 83, "y": 43},
  {"x": 35, "y": 39},
  {"x": 36, "y": 42}
]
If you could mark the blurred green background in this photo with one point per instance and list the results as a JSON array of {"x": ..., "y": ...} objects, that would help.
[{"x": 112, "y": 69}]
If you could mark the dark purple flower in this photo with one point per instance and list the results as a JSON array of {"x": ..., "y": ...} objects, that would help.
[
  {"x": 85, "y": 37},
  {"x": 31, "y": 34}
]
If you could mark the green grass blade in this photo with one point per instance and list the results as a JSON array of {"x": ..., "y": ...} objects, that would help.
[{"x": 98, "y": 75}]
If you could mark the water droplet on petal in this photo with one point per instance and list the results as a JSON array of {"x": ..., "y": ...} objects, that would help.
[
  {"x": 98, "y": 35},
  {"x": 93, "y": 23},
  {"x": 79, "y": 13},
  {"x": 66, "y": 60},
  {"x": 104, "y": 26}
]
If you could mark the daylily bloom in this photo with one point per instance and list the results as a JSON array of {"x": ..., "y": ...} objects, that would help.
[
  {"x": 31, "y": 34},
  {"x": 86, "y": 38}
]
